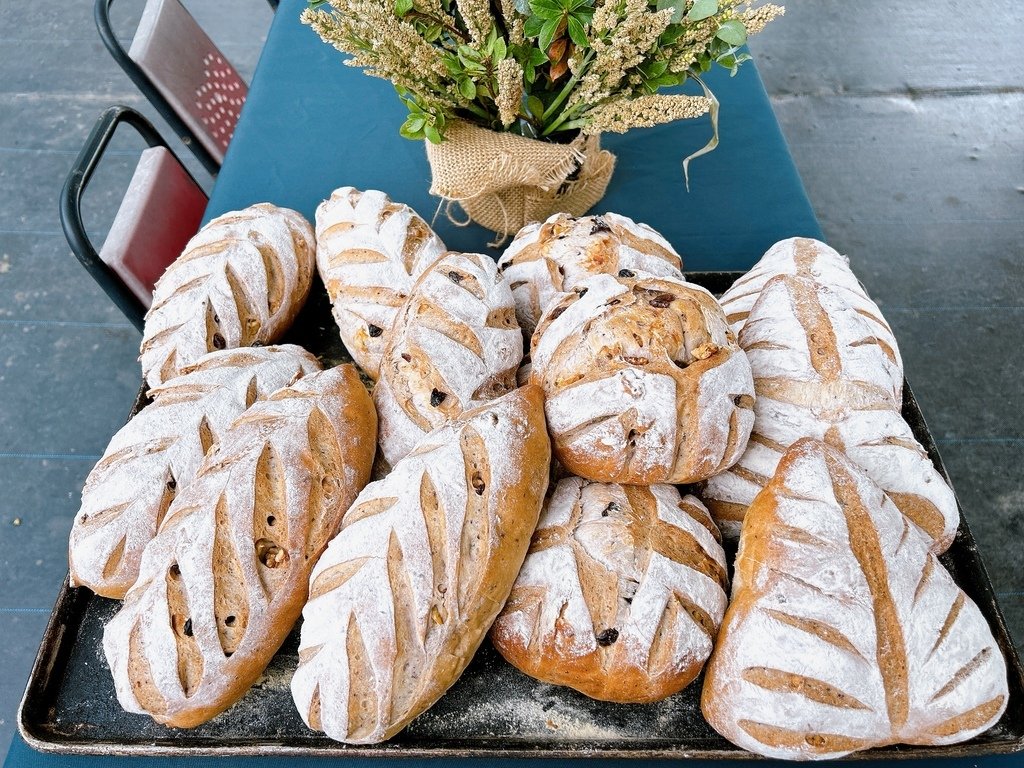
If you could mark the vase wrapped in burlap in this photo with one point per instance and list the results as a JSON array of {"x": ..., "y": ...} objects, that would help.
[{"x": 504, "y": 181}]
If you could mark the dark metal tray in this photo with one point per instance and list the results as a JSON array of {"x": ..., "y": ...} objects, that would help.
[{"x": 493, "y": 710}]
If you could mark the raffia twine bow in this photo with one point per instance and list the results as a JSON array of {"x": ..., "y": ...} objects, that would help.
[{"x": 504, "y": 181}]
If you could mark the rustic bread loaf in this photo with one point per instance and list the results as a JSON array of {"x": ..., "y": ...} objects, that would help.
[
  {"x": 844, "y": 631},
  {"x": 240, "y": 282},
  {"x": 455, "y": 345},
  {"x": 226, "y": 576},
  {"x": 811, "y": 259},
  {"x": 156, "y": 454},
  {"x": 548, "y": 259},
  {"x": 820, "y": 371},
  {"x": 426, "y": 557},
  {"x": 644, "y": 382},
  {"x": 370, "y": 251},
  {"x": 621, "y": 594}
]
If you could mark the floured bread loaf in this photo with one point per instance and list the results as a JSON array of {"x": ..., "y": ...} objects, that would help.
[
  {"x": 240, "y": 282},
  {"x": 621, "y": 594},
  {"x": 814, "y": 260},
  {"x": 455, "y": 345},
  {"x": 156, "y": 454},
  {"x": 404, "y": 595},
  {"x": 370, "y": 251},
  {"x": 820, "y": 371},
  {"x": 844, "y": 631},
  {"x": 644, "y": 382},
  {"x": 226, "y": 576},
  {"x": 548, "y": 259}
]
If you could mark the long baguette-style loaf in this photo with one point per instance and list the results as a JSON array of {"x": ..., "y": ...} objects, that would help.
[
  {"x": 426, "y": 557},
  {"x": 644, "y": 382},
  {"x": 820, "y": 371},
  {"x": 454, "y": 345},
  {"x": 240, "y": 282},
  {"x": 845, "y": 632},
  {"x": 370, "y": 250},
  {"x": 621, "y": 594},
  {"x": 547, "y": 259},
  {"x": 225, "y": 578},
  {"x": 155, "y": 456}
]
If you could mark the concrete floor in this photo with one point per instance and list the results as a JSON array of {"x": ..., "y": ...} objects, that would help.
[{"x": 907, "y": 126}]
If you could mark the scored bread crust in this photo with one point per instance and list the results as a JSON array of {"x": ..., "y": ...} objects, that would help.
[
  {"x": 370, "y": 251},
  {"x": 155, "y": 456},
  {"x": 644, "y": 382},
  {"x": 455, "y": 345},
  {"x": 547, "y": 259},
  {"x": 240, "y": 282},
  {"x": 621, "y": 594},
  {"x": 226, "y": 576},
  {"x": 426, "y": 557},
  {"x": 812, "y": 259},
  {"x": 820, "y": 371},
  {"x": 845, "y": 632}
]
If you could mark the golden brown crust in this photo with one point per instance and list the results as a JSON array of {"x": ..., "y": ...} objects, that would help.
[{"x": 226, "y": 576}]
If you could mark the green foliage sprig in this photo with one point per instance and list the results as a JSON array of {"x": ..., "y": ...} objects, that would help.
[{"x": 541, "y": 68}]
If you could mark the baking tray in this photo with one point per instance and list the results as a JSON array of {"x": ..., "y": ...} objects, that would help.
[{"x": 492, "y": 711}]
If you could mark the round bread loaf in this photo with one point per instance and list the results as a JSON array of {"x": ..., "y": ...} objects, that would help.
[
  {"x": 455, "y": 345},
  {"x": 370, "y": 251},
  {"x": 621, "y": 594},
  {"x": 547, "y": 259},
  {"x": 644, "y": 382}
]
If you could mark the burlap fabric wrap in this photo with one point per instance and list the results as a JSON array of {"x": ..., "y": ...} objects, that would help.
[{"x": 504, "y": 181}]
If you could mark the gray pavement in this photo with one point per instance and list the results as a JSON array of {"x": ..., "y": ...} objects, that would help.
[{"x": 906, "y": 122}]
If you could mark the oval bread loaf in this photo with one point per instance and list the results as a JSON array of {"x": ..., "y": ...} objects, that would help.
[
  {"x": 240, "y": 282},
  {"x": 621, "y": 594},
  {"x": 844, "y": 631},
  {"x": 226, "y": 576},
  {"x": 370, "y": 251},
  {"x": 454, "y": 345},
  {"x": 820, "y": 371},
  {"x": 814, "y": 260},
  {"x": 404, "y": 595},
  {"x": 548, "y": 259},
  {"x": 644, "y": 382},
  {"x": 156, "y": 454}
]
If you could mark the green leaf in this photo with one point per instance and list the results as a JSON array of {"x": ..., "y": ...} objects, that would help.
[
  {"x": 537, "y": 57},
  {"x": 532, "y": 28},
  {"x": 416, "y": 123},
  {"x": 499, "y": 50},
  {"x": 547, "y": 33},
  {"x": 577, "y": 32},
  {"x": 672, "y": 33},
  {"x": 402, "y": 7},
  {"x": 535, "y": 106},
  {"x": 547, "y": 9},
  {"x": 702, "y": 9},
  {"x": 432, "y": 134},
  {"x": 468, "y": 89},
  {"x": 314, "y": 4},
  {"x": 678, "y": 8},
  {"x": 733, "y": 32},
  {"x": 411, "y": 131}
]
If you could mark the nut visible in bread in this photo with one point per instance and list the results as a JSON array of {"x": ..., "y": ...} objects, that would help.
[
  {"x": 156, "y": 455},
  {"x": 370, "y": 251},
  {"x": 240, "y": 282},
  {"x": 226, "y": 576},
  {"x": 547, "y": 259},
  {"x": 425, "y": 559},
  {"x": 455, "y": 345},
  {"x": 644, "y": 382},
  {"x": 845, "y": 632},
  {"x": 621, "y": 594}
]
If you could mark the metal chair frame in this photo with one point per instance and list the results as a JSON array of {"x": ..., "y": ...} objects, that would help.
[
  {"x": 101, "y": 13},
  {"x": 71, "y": 205}
]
